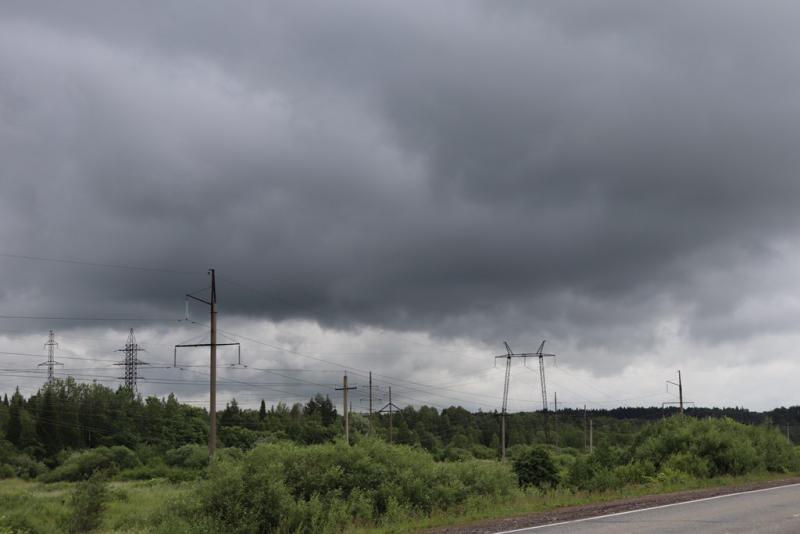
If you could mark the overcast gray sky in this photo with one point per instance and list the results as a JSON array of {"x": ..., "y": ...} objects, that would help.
[{"x": 401, "y": 186}]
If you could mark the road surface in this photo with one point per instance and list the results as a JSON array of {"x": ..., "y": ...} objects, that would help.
[{"x": 773, "y": 510}]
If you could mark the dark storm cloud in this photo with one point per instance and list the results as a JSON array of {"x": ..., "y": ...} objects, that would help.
[{"x": 465, "y": 168}]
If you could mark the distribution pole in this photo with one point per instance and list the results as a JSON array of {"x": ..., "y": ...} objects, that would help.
[
  {"x": 504, "y": 414},
  {"x": 555, "y": 416},
  {"x": 680, "y": 391},
  {"x": 50, "y": 363},
  {"x": 370, "y": 402},
  {"x": 591, "y": 436},
  {"x": 212, "y": 392},
  {"x": 346, "y": 406},
  {"x": 212, "y": 388},
  {"x": 585, "y": 430}
]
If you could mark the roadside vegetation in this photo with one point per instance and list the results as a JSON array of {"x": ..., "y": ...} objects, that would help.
[{"x": 288, "y": 470}]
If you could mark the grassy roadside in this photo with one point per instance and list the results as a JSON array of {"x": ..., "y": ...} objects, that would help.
[
  {"x": 534, "y": 501},
  {"x": 141, "y": 506},
  {"x": 147, "y": 506}
]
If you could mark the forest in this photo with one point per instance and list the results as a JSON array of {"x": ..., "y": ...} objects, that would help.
[{"x": 288, "y": 468}]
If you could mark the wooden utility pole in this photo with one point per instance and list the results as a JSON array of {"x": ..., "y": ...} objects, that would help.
[
  {"x": 680, "y": 391},
  {"x": 212, "y": 393},
  {"x": 555, "y": 416},
  {"x": 370, "y": 402},
  {"x": 585, "y": 431},
  {"x": 346, "y": 408},
  {"x": 591, "y": 437}
]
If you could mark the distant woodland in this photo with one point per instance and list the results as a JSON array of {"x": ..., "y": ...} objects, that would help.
[{"x": 66, "y": 416}]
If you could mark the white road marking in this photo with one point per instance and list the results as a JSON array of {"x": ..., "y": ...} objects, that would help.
[{"x": 647, "y": 509}]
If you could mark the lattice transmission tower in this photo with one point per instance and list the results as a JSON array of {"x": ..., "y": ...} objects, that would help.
[
  {"x": 50, "y": 363},
  {"x": 131, "y": 363}
]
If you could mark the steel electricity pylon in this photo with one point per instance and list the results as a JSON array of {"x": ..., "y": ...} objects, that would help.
[
  {"x": 508, "y": 356},
  {"x": 541, "y": 355},
  {"x": 50, "y": 363},
  {"x": 131, "y": 363}
]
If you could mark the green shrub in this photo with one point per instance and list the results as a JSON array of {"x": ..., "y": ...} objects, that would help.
[
  {"x": 189, "y": 456},
  {"x": 322, "y": 488},
  {"x": 236, "y": 436},
  {"x": 535, "y": 467},
  {"x": 87, "y": 504},
  {"x": 7, "y": 471},
  {"x": 156, "y": 470},
  {"x": 638, "y": 472},
  {"x": 482, "y": 452},
  {"x": 455, "y": 454},
  {"x": 714, "y": 447},
  {"x": 81, "y": 465},
  {"x": 581, "y": 473},
  {"x": 26, "y": 467}
]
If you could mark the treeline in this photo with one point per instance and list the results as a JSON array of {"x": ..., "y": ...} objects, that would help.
[
  {"x": 288, "y": 468},
  {"x": 68, "y": 416}
]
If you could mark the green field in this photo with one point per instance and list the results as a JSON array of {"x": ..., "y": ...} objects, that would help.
[
  {"x": 132, "y": 506},
  {"x": 290, "y": 471},
  {"x": 156, "y": 506}
]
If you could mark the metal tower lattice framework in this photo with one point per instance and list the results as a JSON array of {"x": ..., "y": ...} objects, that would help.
[
  {"x": 541, "y": 357},
  {"x": 50, "y": 363},
  {"x": 131, "y": 363},
  {"x": 524, "y": 355}
]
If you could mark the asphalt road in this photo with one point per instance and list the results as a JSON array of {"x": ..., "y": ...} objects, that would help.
[{"x": 773, "y": 510}]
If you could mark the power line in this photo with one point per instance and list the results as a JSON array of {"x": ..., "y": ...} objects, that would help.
[
  {"x": 97, "y": 264},
  {"x": 63, "y": 318}
]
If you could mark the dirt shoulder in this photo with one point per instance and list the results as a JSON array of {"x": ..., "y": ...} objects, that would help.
[{"x": 569, "y": 513}]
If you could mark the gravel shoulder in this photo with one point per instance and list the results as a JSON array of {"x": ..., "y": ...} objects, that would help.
[{"x": 569, "y": 513}]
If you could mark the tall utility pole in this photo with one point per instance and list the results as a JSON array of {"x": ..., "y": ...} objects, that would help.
[
  {"x": 390, "y": 407},
  {"x": 591, "y": 436},
  {"x": 131, "y": 363},
  {"x": 212, "y": 397},
  {"x": 370, "y": 402},
  {"x": 346, "y": 408},
  {"x": 555, "y": 416},
  {"x": 511, "y": 354},
  {"x": 680, "y": 390},
  {"x": 585, "y": 430},
  {"x": 50, "y": 363}
]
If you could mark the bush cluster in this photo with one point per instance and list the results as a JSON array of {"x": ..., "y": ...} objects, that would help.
[
  {"x": 535, "y": 467},
  {"x": 322, "y": 488},
  {"x": 81, "y": 465},
  {"x": 681, "y": 448}
]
